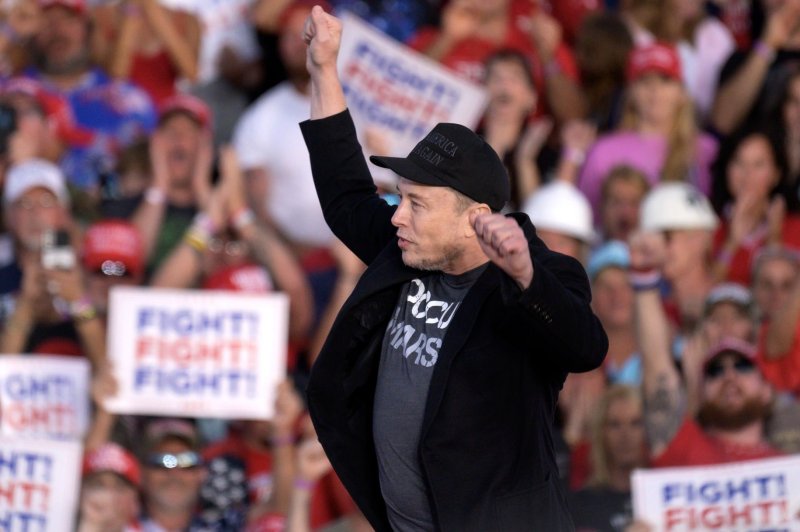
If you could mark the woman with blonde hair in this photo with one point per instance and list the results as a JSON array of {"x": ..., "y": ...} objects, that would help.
[
  {"x": 658, "y": 134},
  {"x": 617, "y": 448}
]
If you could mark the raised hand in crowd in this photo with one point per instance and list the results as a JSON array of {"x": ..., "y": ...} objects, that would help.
[
  {"x": 737, "y": 95},
  {"x": 564, "y": 96},
  {"x": 664, "y": 400},
  {"x": 546, "y": 33},
  {"x": 311, "y": 464},
  {"x": 577, "y": 136},
  {"x": 288, "y": 408},
  {"x": 531, "y": 142},
  {"x": 49, "y": 295},
  {"x": 349, "y": 268},
  {"x": 459, "y": 20}
]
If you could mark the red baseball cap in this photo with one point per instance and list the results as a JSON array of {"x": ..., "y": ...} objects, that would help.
[
  {"x": 111, "y": 457},
  {"x": 113, "y": 247},
  {"x": 186, "y": 103},
  {"x": 79, "y": 6},
  {"x": 734, "y": 346},
  {"x": 242, "y": 278},
  {"x": 657, "y": 58},
  {"x": 55, "y": 107}
]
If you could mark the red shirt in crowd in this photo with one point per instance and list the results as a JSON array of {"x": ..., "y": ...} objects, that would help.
[
  {"x": 692, "y": 446},
  {"x": 784, "y": 372},
  {"x": 742, "y": 260},
  {"x": 468, "y": 55}
]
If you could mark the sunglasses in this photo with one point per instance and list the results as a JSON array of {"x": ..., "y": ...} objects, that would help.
[
  {"x": 184, "y": 460},
  {"x": 717, "y": 368},
  {"x": 113, "y": 268}
]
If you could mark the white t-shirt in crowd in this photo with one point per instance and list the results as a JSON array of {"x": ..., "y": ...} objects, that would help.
[
  {"x": 268, "y": 136},
  {"x": 225, "y": 23}
]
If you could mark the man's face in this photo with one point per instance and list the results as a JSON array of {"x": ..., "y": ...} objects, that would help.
[
  {"x": 174, "y": 489},
  {"x": 32, "y": 213},
  {"x": 620, "y": 210},
  {"x": 687, "y": 249},
  {"x": 727, "y": 320},
  {"x": 734, "y": 393},
  {"x": 612, "y": 298},
  {"x": 182, "y": 139},
  {"x": 108, "y": 501},
  {"x": 430, "y": 227},
  {"x": 623, "y": 433},
  {"x": 561, "y": 243},
  {"x": 773, "y": 283},
  {"x": 63, "y": 42}
]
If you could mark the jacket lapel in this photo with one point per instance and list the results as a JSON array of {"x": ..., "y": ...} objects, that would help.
[{"x": 457, "y": 333}]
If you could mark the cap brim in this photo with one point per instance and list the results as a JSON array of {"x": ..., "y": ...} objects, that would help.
[{"x": 407, "y": 169}]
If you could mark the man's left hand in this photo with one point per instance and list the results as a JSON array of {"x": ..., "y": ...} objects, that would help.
[{"x": 503, "y": 241}]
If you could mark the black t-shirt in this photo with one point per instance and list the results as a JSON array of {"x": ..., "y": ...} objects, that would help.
[{"x": 409, "y": 354}]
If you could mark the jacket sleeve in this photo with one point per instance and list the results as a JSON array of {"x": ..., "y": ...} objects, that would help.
[
  {"x": 558, "y": 303},
  {"x": 349, "y": 199}
]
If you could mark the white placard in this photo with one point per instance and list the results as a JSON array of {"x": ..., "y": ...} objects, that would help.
[
  {"x": 752, "y": 496},
  {"x": 197, "y": 353},
  {"x": 39, "y": 484},
  {"x": 398, "y": 92},
  {"x": 44, "y": 396}
]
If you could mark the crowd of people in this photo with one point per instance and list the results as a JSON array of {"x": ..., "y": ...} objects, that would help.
[{"x": 655, "y": 141}]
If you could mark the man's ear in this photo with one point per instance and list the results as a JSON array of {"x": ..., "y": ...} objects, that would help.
[{"x": 473, "y": 211}]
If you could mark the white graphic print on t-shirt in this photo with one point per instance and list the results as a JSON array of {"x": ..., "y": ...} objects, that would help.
[{"x": 411, "y": 338}]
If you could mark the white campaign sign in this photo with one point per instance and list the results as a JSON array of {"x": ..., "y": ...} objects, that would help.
[
  {"x": 752, "y": 496},
  {"x": 399, "y": 93},
  {"x": 44, "y": 396},
  {"x": 39, "y": 484},
  {"x": 197, "y": 353}
]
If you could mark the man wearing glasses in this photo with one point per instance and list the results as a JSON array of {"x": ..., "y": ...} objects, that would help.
[
  {"x": 734, "y": 398},
  {"x": 173, "y": 473}
]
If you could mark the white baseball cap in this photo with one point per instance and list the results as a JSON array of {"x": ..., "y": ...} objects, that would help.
[
  {"x": 676, "y": 205},
  {"x": 559, "y": 206},
  {"x": 33, "y": 173}
]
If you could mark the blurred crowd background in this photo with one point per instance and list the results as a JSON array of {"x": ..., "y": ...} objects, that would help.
[{"x": 155, "y": 143}]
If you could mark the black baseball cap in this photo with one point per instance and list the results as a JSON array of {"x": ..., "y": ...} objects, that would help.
[{"x": 452, "y": 155}]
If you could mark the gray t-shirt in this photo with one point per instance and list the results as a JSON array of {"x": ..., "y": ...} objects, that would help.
[{"x": 409, "y": 353}]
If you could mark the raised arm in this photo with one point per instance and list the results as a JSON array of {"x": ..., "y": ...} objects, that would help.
[
  {"x": 323, "y": 34},
  {"x": 664, "y": 399},
  {"x": 551, "y": 289}
]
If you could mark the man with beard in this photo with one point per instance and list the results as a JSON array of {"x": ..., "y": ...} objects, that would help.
[
  {"x": 735, "y": 398},
  {"x": 115, "y": 112}
]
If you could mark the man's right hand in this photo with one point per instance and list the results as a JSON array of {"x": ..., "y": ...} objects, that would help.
[{"x": 322, "y": 33}]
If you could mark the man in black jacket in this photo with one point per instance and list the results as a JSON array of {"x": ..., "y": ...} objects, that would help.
[{"x": 435, "y": 391}]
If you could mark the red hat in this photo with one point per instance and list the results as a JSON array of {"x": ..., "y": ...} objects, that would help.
[
  {"x": 55, "y": 108},
  {"x": 242, "y": 278},
  {"x": 186, "y": 103},
  {"x": 658, "y": 58},
  {"x": 114, "y": 247},
  {"x": 111, "y": 457},
  {"x": 79, "y": 6},
  {"x": 734, "y": 346}
]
